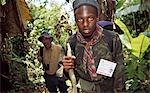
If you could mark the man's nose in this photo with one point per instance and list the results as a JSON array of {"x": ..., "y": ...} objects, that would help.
[
  {"x": 85, "y": 23},
  {"x": 44, "y": 42}
]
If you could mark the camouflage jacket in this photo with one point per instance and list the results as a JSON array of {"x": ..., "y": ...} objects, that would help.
[{"x": 109, "y": 48}]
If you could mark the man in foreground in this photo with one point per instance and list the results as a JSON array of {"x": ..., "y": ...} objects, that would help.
[{"x": 98, "y": 57}]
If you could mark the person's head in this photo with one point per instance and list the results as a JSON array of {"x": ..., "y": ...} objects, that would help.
[
  {"x": 86, "y": 15},
  {"x": 46, "y": 39}
]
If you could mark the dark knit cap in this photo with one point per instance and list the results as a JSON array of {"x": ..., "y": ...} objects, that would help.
[{"x": 78, "y": 3}]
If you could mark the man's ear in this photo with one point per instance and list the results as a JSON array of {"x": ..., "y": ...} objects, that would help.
[
  {"x": 97, "y": 18},
  {"x": 51, "y": 38}
]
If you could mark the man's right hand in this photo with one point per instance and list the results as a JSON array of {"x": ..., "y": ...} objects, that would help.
[{"x": 68, "y": 62}]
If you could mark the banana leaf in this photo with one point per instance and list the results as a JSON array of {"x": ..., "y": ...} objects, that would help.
[
  {"x": 139, "y": 45},
  {"x": 125, "y": 41},
  {"x": 126, "y": 38}
]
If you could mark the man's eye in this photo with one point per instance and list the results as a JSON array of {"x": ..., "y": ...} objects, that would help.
[
  {"x": 80, "y": 20},
  {"x": 90, "y": 18}
]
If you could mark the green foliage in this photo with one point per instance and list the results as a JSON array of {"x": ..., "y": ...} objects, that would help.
[
  {"x": 2, "y": 2},
  {"x": 135, "y": 17},
  {"x": 34, "y": 68},
  {"x": 127, "y": 10},
  {"x": 18, "y": 46},
  {"x": 123, "y": 4},
  {"x": 15, "y": 55},
  {"x": 137, "y": 67},
  {"x": 124, "y": 29},
  {"x": 138, "y": 74},
  {"x": 44, "y": 19},
  {"x": 140, "y": 45},
  {"x": 120, "y": 3}
]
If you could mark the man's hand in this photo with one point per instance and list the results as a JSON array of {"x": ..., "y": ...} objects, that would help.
[{"x": 68, "y": 62}]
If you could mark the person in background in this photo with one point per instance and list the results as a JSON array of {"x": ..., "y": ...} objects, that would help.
[
  {"x": 97, "y": 53},
  {"x": 50, "y": 55},
  {"x": 106, "y": 24}
]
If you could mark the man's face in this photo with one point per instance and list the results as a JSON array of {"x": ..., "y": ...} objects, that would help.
[
  {"x": 46, "y": 42},
  {"x": 86, "y": 17}
]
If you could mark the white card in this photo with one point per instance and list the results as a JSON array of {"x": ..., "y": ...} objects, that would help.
[{"x": 106, "y": 68}]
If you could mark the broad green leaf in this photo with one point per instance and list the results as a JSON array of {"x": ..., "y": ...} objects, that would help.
[
  {"x": 124, "y": 29},
  {"x": 120, "y": 3},
  {"x": 139, "y": 45},
  {"x": 125, "y": 41}
]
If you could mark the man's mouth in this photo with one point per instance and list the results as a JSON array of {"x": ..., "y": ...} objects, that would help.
[{"x": 86, "y": 31}]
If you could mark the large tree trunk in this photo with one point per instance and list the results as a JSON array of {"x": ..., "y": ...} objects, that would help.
[
  {"x": 107, "y": 9},
  {"x": 11, "y": 25}
]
